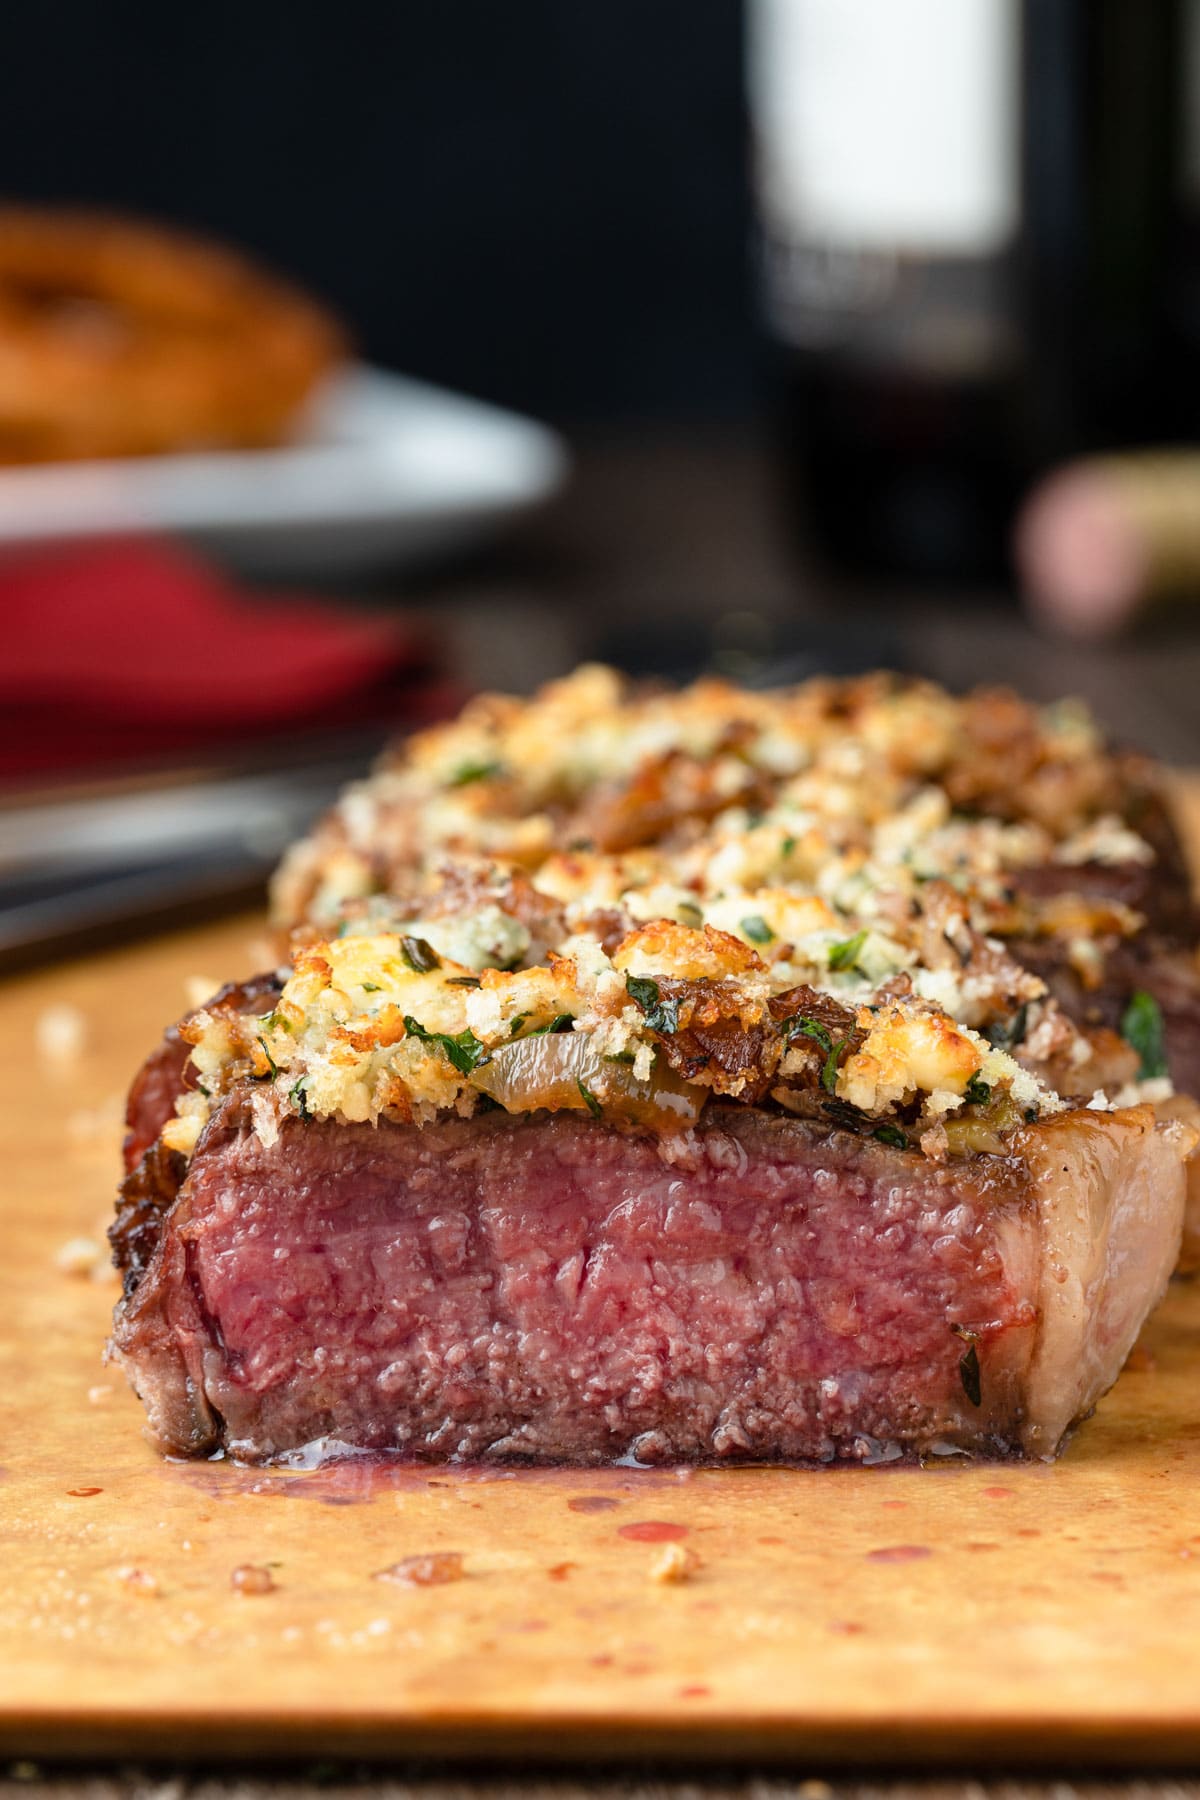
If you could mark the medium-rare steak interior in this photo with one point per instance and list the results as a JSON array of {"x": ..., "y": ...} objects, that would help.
[
  {"x": 692, "y": 1076},
  {"x": 549, "y": 1289}
]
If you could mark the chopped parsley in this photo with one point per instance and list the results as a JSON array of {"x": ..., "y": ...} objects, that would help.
[
  {"x": 463, "y": 981},
  {"x": 271, "y": 1063},
  {"x": 420, "y": 955},
  {"x": 845, "y": 954},
  {"x": 788, "y": 846},
  {"x": 298, "y": 1096},
  {"x": 890, "y": 1134},
  {"x": 812, "y": 1028},
  {"x": 369, "y": 987},
  {"x": 593, "y": 1105},
  {"x": 843, "y": 1114},
  {"x": 977, "y": 1091},
  {"x": 757, "y": 929},
  {"x": 1006, "y": 1034},
  {"x": 464, "y": 1049},
  {"x": 968, "y": 1365},
  {"x": 1142, "y": 1029},
  {"x": 690, "y": 914},
  {"x": 473, "y": 771},
  {"x": 661, "y": 1015},
  {"x": 797, "y": 1026},
  {"x": 560, "y": 1022}
]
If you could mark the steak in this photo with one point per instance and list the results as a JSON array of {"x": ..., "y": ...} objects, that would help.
[
  {"x": 557, "y": 1289},
  {"x": 693, "y": 1076}
]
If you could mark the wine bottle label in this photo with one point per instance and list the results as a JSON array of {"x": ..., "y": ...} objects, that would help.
[{"x": 887, "y": 171}]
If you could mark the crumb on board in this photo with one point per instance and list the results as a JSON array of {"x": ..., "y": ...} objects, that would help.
[
  {"x": 60, "y": 1033},
  {"x": 138, "y": 1581},
  {"x": 79, "y": 1256},
  {"x": 424, "y": 1571},
  {"x": 252, "y": 1578},
  {"x": 674, "y": 1562}
]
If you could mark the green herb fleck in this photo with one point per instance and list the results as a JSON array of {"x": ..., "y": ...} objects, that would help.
[
  {"x": 968, "y": 1365},
  {"x": 1142, "y": 1028},
  {"x": 298, "y": 1096},
  {"x": 843, "y": 1114},
  {"x": 788, "y": 846},
  {"x": 369, "y": 987},
  {"x": 891, "y": 1134},
  {"x": 661, "y": 1015},
  {"x": 271, "y": 1064},
  {"x": 977, "y": 1091},
  {"x": 757, "y": 929},
  {"x": 690, "y": 914},
  {"x": 811, "y": 1028},
  {"x": 517, "y": 1024},
  {"x": 463, "y": 981},
  {"x": 419, "y": 955},
  {"x": 593, "y": 1105},
  {"x": 797, "y": 1026},
  {"x": 845, "y": 954},
  {"x": 463, "y": 1050},
  {"x": 829, "y": 1073},
  {"x": 473, "y": 771},
  {"x": 1005, "y": 1034},
  {"x": 559, "y": 1023}
]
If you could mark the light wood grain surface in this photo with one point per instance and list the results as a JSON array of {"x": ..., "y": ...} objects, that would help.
[{"x": 1046, "y": 1614}]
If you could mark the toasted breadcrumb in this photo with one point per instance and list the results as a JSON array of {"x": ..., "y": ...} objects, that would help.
[
  {"x": 674, "y": 1563},
  {"x": 630, "y": 902}
]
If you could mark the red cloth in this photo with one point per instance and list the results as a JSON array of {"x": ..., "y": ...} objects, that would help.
[{"x": 139, "y": 651}]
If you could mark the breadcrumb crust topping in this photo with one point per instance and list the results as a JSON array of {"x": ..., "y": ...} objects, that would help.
[{"x": 625, "y": 902}]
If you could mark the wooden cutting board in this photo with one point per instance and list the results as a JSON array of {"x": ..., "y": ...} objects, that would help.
[{"x": 1030, "y": 1614}]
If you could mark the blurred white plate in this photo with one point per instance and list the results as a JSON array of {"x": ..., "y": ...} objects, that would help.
[{"x": 388, "y": 471}]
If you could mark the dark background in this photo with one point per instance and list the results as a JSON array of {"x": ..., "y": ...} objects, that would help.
[{"x": 542, "y": 202}]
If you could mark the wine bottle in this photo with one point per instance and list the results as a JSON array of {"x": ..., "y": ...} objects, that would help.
[{"x": 969, "y": 211}]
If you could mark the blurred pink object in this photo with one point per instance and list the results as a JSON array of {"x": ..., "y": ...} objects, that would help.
[{"x": 1098, "y": 540}]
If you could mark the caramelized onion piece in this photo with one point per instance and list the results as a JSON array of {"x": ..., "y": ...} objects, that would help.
[
  {"x": 984, "y": 1133},
  {"x": 565, "y": 1073}
]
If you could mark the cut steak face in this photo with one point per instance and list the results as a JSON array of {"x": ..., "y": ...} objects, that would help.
[{"x": 555, "y": 1289}]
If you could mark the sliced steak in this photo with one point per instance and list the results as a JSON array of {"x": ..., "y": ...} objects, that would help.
[{"x": 554, "y": 1289}]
